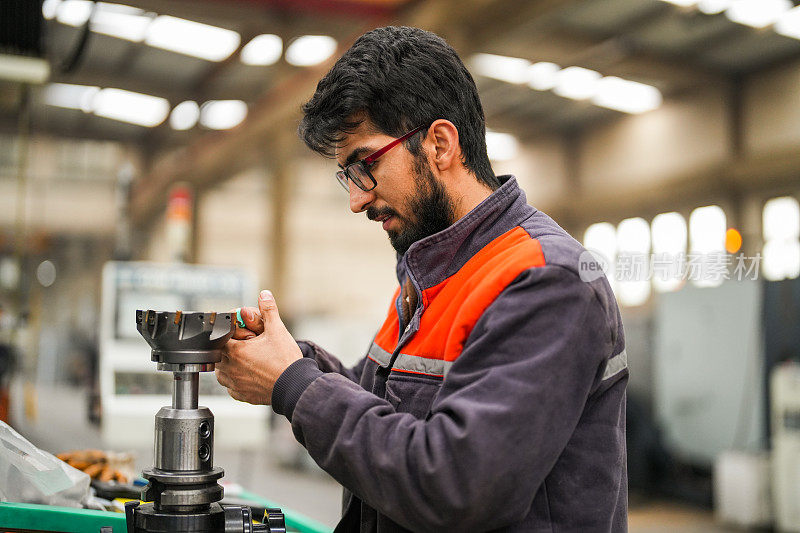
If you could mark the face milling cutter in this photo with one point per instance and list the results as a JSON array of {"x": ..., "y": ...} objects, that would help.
[
  {"x": 183, "y": 492},
  {"x": 183, "y": 484}
]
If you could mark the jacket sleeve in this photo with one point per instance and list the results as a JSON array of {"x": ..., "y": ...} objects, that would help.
[
  {"x": 327, "y": 362},
  {"x": 506, "y": 410}
]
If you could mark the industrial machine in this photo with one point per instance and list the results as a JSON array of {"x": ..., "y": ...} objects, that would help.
[
  {"x": 130, "y": 389},
  {"x": 786, "y": 445},
  {"x": 183, "y": 492}
]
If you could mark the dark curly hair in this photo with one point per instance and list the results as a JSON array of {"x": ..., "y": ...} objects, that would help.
[{"x": 399, "y": 78}]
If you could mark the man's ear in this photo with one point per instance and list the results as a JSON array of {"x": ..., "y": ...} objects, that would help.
[{"x": 446, "y": 148}]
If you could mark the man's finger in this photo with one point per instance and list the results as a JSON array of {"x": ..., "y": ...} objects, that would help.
[
  {"x": 269, "y": 310},
  {"x": 245, "y": 327},
  {"x": 252, "y": 319},
  {"x": 243, "y": 334}
]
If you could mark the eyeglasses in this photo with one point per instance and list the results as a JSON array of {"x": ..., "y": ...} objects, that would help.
[{"x": 359, "y": 173}]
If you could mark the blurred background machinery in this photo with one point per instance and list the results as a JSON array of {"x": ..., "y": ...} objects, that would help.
[
  {"x": 130, "y": 391},
  {"x": 786, "y": 445},
  {"x": 664, "y": 135}
]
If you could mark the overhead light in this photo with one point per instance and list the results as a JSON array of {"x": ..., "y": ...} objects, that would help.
[
  {"x": 542, "y": 76},
  {"x": 501, "y": 146},
  {"x": 71, "y": 96},
  {"x": 46, "y": 273},
  {"x": 789, "y": 23},
  {"x": 192, "y": 38},
  {"x": 503, "y": 68},
  {"x": 116, "y": 20},
  {"x": 682, "y": 3},
  {"x": 262, "y": 50},
  {"x": 577, "y": 83},
  {"x": 184, "y": 116},
  {"x": 626, "y": 96},
  {"x": 24, "y": 69},
  {"x": 74, "y": 12},
  {"x": 9, "y": 272},
  {"x": 50, "y": 8},
  {"x": 222, "y": 114},
  {"x": 712, "y": 7},
  {"x": 134, "y": 108},
  {"x": 310, "y": 50},
  {"x": 757, "y": 13},
  {"x": 123, "y": 22}
]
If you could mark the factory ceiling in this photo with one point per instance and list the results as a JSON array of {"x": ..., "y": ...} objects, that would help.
[{"x": 671, "y": 48}]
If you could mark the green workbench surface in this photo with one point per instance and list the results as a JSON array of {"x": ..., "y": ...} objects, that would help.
[
  {"x": 28, "y": 516},
  {"x": 62, "y": 519}
]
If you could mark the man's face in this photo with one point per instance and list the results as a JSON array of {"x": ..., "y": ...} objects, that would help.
[{"x": 409, "y": 201}]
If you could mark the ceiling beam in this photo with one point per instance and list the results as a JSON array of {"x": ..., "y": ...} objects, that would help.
[{"x": 77, "y": 129}]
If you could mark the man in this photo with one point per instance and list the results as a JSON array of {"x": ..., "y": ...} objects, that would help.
[{"x": 493, "y": 397}]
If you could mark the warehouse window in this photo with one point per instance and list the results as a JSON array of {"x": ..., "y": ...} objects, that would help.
[
  {"x": 781, "y": 227},
  {"x": 669, "y": 237},
  {"x": 601, "y": 240},
  {"x": 707, "y": 261},
  {"x": 633, "y": 261},
  {"x": 501, "y": 146}
]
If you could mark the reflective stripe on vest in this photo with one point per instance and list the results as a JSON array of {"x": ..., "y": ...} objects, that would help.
[
  {"x": 615, "y": 365},
  {"x": 412, "y": 364}
]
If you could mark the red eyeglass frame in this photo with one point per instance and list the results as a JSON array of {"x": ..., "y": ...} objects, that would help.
[{"x": 344, "y": 176}]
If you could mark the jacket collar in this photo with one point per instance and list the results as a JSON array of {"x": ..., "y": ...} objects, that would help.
[{"x": 433, "y": 259}]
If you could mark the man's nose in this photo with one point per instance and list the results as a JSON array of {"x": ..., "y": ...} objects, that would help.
[{"x": 359, "y": 200}]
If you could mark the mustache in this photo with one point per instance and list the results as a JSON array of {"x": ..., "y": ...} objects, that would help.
[{"x": 373, "y": 213}]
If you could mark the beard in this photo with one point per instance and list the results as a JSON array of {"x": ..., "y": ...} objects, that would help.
[{"x": 431, "y": 207}]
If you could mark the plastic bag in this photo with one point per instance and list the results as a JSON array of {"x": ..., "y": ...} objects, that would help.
[{"x": 31, "y": 475}]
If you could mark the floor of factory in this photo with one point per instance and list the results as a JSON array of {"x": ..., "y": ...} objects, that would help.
[{"x": 61, "y": 425}]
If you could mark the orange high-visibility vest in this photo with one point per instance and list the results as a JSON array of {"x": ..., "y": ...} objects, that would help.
[{"x": 452, "y": 308}]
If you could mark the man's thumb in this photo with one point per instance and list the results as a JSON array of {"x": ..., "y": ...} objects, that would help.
[{"x": 268, "y": 308}]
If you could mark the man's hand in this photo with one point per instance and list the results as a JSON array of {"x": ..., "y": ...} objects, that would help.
[{"x": 256, "y": 356}]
